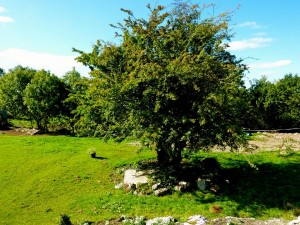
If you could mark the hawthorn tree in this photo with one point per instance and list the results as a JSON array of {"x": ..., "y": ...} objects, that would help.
[{"x": 170, "y": 80}]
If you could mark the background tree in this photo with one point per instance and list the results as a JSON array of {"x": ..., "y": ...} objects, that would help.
[
  {"x": 12, "y": 87},
  {"x": 283, "y": 100},
  {"x": 44, "y": 98},
  {"x": 75, "y": 86},
  {"x": 259, "y": 115},
  {"x": 171, "y": 80},
  {"x": 4, "y": 124}
]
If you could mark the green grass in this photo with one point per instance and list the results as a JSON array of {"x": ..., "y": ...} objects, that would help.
[
  {"x": 42, "y": 177},
  {"x": 22, "y": 123}
]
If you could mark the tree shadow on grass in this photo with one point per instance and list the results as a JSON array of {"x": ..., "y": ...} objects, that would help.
[
  {"x": 254, "y": 189},
  {"x": 269, "y": 186},
  {"x": 99, "y": 158}
]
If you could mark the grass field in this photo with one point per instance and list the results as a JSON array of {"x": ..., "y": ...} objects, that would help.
[{"x": 42, "y": 177}]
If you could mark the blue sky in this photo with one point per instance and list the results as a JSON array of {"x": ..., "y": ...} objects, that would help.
[{"x": 41, "y": 33}]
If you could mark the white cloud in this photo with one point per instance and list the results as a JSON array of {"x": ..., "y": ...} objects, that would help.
[
  {"x": 2, "y": 9},
  {"x": 251, "y": 24},
  {"x": 6, "y": 19},
  {"x": 257, "y": 42},
  {"x": 57, "y": 64},
  {"x": 268, "y": 73},
  {"x": 261, "y": 34},
  {"x": 269, "y": 65}
]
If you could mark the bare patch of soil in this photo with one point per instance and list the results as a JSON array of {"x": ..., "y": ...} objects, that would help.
[
  {"x": 276, "y": 141},
  {"x": 20, "y": 132}
]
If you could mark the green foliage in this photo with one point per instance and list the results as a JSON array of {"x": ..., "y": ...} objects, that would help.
[
  {"x": 4, "y": 124},
  {"x": 43, "y": 98},
  {"x": 12, "y": 90},
  {"x": 259, "y": 116},
  {"x": 2, "y": 72},
  {"x": 74, "y": 104},
  {"x": 284, "y": 100},
  {"x": 274, "y": 105},
  {"x": 171, "y": 80},
  {"x": 22, "y": 123}
]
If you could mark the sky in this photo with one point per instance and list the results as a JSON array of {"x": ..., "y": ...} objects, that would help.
[{"x": 41, "y": 33}]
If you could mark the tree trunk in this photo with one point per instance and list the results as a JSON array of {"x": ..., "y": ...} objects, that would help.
[{"x": 165, "y": 159}]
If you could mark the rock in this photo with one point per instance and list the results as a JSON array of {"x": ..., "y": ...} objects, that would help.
[
  {"x": 122, "y": 218},
  {"x": 139, "y": 220},
  {"x": 202, "y": 184},
  {"x": 178, "y": 188},
  {"x": 155, "y": 186},
  {"x": 161, "y": 221},
  {"x": 135, "y": 177},
  {"x": 161, "y": 191},
  {"x": 119, "y": 186},
  {"x": 197, "y": 220},
  {"x": 295, "y": 222},
  {"x": 182, "y": 186},
  {"x": 252, "y": 221},
  {"x": 130, "y": 187}
]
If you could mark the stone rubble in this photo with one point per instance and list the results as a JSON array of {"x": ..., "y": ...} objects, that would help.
[
  {"x": 161, "y": 221},
  {"x": 201, "y": 220},
  {"x": 161, "y": 191},
  {"x": 196, "y": 220},
  {"x": 156, "y": 186}
]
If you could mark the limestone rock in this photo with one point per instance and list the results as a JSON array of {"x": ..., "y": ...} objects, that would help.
[
  {"x": 161, "y": 221},
  {"x": 197, "y": 220},
  {"x": 182, "y": 186},
  {"x": 119, "y": 186},
  {"x": 135, "y": 177},
  {"x": 130, "y": 187},
  {"x": 161, "y": 191},
  {"x": 155, "y": 186},
  {"x": 295, "y": 222}
]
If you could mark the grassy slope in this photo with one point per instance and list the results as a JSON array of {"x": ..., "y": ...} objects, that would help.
[{"x": 42, "y": 177}]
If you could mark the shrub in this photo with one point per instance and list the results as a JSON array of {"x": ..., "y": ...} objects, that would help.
[{"x": 3, "y": 120}]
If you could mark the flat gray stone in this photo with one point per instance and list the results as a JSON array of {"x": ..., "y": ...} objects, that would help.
[{"x": 135, "y": 177}]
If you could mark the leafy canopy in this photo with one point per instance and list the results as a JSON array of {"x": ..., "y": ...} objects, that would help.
[
  {"x": 170, "y": 80},
  {"x": 43, "y": 97},
  {"x": 12, "y": 88}
]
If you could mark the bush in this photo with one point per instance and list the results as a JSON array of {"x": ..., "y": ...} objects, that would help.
[
  {"x": 65, "y": 220},
  {"x": 3, "y": 120}
]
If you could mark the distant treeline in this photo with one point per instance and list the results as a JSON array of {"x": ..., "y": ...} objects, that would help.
[{"x": 70, "y": 102}]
